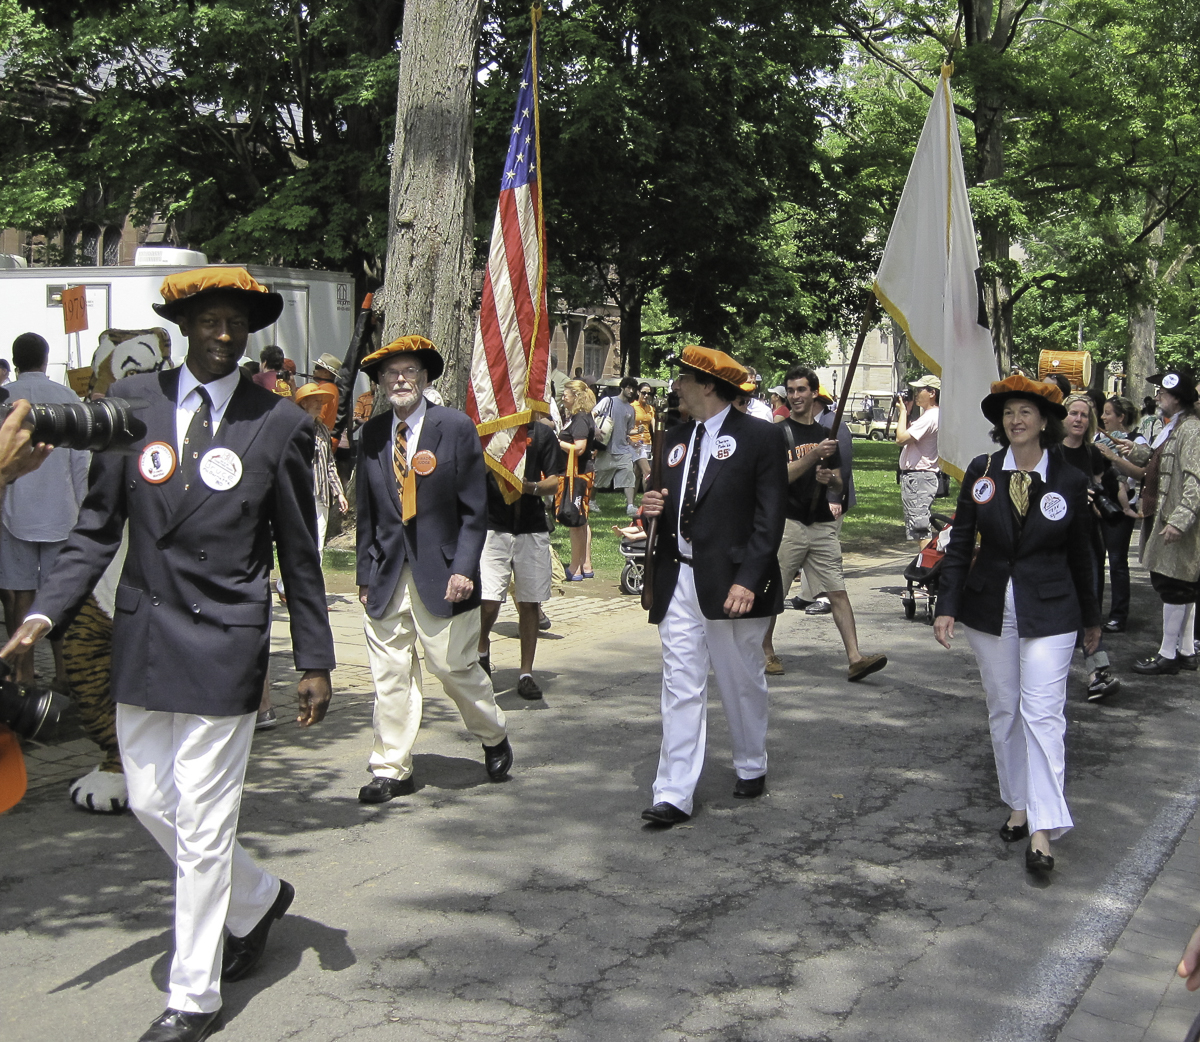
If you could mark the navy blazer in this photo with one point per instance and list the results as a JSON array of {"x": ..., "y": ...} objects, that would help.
[
  {"x": 738, "y": 523},
  {"x": 1049, "y": 558},
  {"x": 447, "y": 534},
  {"x": 191, "y": 628}
]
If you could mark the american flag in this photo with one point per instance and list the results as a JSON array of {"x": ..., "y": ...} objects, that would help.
[{"x": 510, "y": 364}]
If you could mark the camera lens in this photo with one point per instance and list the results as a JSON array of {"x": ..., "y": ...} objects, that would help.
[
  {"x": 95, "y": 426},
  {"x": 27, "y": 710}
]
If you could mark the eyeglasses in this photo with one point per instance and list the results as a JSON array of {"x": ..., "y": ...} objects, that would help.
[
  {"x": 408, "y": 373},
  {"x": 645, "y": 394}
]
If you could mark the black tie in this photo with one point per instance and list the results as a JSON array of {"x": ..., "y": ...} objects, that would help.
[
  {"x": 688, "y": 506},
  {"x": 198, "y": 439}
]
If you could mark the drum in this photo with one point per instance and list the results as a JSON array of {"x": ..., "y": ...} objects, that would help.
[{"x": 1076, "y": 366}]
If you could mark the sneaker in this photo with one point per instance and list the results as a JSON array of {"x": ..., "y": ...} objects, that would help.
[
  {"x": 774, "y": 667},
  {"x": 1114, "y": 626},
  {"x": 1103, "y": 684},
  {"x": 544, "y": 622},
  {"x": 266, "y": 720},
  {"x": 819, "y": 607},
  {"x": 631, "y": 510},
  {"x": 527, "y": 688}
]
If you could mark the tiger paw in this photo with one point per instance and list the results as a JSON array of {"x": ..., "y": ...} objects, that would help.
[{"x": 101, "y": 792}]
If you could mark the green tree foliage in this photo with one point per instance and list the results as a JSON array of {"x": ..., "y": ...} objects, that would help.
[
  {"x": 260, "y": 128},
  {"x": 678, "y": 138}
]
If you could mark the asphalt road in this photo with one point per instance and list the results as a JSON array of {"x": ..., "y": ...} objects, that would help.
[{"x": 866, "y": 897}]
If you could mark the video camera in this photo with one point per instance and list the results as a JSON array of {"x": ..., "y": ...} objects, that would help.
[
  {"x": 27, "y": 709},
  {"x": 97, "y": 426}
]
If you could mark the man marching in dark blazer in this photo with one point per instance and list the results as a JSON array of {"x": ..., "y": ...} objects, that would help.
[
  {"x": 422, "y": 521},
  {"x": 716, "y": 579},
  {"x": 223, "y": 468}
]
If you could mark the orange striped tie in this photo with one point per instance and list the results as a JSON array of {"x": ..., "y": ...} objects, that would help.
[{"x": 406, "y": 480}]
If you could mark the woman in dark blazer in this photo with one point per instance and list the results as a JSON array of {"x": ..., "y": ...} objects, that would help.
[{"x": 1023, "y": 600}]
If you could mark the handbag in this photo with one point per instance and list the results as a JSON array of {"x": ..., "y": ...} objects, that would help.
[
  {"x": 571, "y": 499},
  {"x": 604, "y": 429}
]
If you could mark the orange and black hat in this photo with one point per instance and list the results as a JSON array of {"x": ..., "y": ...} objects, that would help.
[
  {"x": 312, "y": 390},
  {"x": 713, "y": 363},
  {"x": 1047, "y": 397},
  {"x": 406, "y": 345},
  {"x": 179, "y": 290}
]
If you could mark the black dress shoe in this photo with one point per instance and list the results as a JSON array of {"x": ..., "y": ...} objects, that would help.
[
  {"x": 1156, "y": 666},
  {"x": 176, "y": 1026},
  {"x": 380, "y": 790},
  {"x": 1114, "y": 626},
  {"x": 241, "y": 954},
  {"x": 666, "y": 814},
  {"x": 498, "y": 760},
  {"x": 1012, "y": 833},
  {"x": 749, "y": 788},
  {"x": 1036, "y": 861},
  {"x": 1187, "y": 662}
]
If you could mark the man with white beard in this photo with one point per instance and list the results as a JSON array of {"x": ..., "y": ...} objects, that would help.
[{"x": 422, "y": 522}]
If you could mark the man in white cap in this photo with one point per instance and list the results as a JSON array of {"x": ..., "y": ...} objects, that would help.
[{"x": 919, "y": 456}]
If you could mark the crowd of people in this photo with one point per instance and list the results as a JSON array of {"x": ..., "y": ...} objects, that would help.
[{"x": 176, "y": 542}]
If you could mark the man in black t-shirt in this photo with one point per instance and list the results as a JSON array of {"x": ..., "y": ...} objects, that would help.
[
  {"x": 518, "y": 550},
  {"x": 811, "y": 534}
]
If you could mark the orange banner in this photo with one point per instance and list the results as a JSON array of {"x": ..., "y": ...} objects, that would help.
[{"x": 74, "y": 302}]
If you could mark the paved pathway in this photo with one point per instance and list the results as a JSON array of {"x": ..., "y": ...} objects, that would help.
[{"x": 865, "y": 898}]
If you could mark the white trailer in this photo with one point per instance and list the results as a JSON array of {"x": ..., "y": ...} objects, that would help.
[{"x": 318, "y": 308}]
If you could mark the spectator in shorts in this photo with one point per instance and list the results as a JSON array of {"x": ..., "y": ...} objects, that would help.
[
  {"x": 919, "y": 456},
  {"x": 40, "y": 509},
  {"x": 614, "y": 462},
  {"x": 814, "y": 516},
  {"x": 517, "y": 550},
  {"x": 643, "y": 430},
  {"x": 578, "y": 434}
]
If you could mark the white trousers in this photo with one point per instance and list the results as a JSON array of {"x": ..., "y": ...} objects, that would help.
[
  {"x": 451, "y": 648},
  {"x": 1025, "y": 679},
  {"x": 691, "y": 644},
  {"x": 185, "y": 775}
]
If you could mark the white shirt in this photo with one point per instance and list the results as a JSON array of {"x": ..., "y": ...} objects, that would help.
[
  {"x": 760, "y": 410},
  {"x": 415, "y": 422},
  {"x": 712, "y": 428},
  {"x": 1165, "y": 433},
  {"x": 921, "y": 453},
  {"x": 42, "y": 506},
  {"x": 219, "y": 393},
  {"x": 1011, "y": 464}
]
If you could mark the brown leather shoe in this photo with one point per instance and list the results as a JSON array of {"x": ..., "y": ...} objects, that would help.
[
  {"x": 866, "y": 666},
  {"x": 774, "y": 667}
]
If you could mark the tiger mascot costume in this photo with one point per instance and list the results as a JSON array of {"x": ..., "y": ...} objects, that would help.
[{"x": 87, "y": 643}]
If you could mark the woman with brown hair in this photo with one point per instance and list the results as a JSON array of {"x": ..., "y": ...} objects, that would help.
[
  {"x": 578, "y": 435},
  {"x": 1022, "y": 600}
]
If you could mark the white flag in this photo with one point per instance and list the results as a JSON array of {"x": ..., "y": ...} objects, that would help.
[{"x": 926, "y": 282}]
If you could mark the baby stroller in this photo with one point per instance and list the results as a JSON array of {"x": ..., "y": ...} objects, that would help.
[
  {"x": 634, "y": 552},
  {"x": 922, "y": 572}
]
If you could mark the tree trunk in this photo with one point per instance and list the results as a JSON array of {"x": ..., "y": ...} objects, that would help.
[
  {"x": 427, "y": 284},
  {"x": 631, "y": 328},
  {"x": 990, "y": 24},
  {"x": 1143, "y": 315}
]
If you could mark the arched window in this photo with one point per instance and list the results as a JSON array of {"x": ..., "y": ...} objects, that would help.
[
  {"x": 89, "y": 245},
  {"x": 112, "y": 246},
  {"x": 596, "y": 344}
]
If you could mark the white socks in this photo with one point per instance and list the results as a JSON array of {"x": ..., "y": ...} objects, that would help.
[{"x": 1174, "y": 616}]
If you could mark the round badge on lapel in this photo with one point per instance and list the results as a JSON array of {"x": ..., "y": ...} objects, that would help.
[
  {"x": 156, "y": 463},
  {"x": 424, "y": 463},
  {"x": 983, "y": 490},
  {"x": 676, "y": 456},
  {"x": 724, "y": 447},
  {"x": 220, "y": 469},
  {"x": 1054, "y": 507}
]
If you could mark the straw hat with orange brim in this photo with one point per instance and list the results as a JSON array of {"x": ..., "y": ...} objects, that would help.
[
  {"x": 717, "y": 364},
  {"x": 1047, "y": 397},
  {"x": 405, "y": 345},
  {"x": 312, "y": 390},
  {"x": 185, "y": 288}
]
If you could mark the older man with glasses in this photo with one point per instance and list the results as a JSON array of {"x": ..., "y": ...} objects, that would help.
[{"x": 422, "y": 522}]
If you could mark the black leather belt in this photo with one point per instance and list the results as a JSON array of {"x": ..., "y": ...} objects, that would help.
[{"x": 685, "y": 560}]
